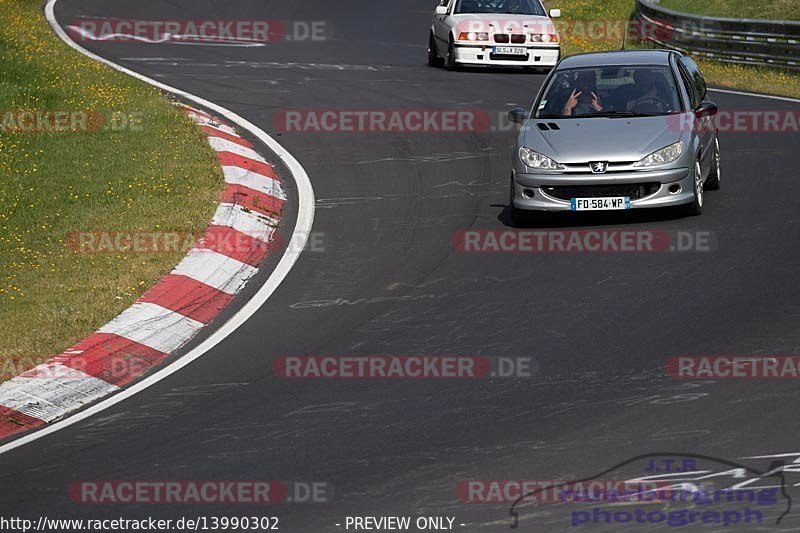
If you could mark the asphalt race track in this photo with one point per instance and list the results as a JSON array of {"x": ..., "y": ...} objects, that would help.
[{"x": 389, "y": 281}]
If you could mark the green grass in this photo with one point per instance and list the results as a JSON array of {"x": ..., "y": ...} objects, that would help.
[
  {"x": 773, "y": 9},
  {"x": 576, "y": 13},
  {"x": 160, "y": 176}
]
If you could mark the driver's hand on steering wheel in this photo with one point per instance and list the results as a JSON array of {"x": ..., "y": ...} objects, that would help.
[{"x": 661, "y": 105}]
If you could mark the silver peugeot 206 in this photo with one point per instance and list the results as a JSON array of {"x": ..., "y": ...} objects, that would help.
[{"x": 615, "y": 131}]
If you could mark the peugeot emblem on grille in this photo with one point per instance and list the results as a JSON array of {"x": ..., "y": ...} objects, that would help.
[{"x": 599, "y": 167}]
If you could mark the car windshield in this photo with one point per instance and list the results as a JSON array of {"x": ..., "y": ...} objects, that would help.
[
  {"x": 642, "y": 90},
  {"x": 510, "y": 7}
]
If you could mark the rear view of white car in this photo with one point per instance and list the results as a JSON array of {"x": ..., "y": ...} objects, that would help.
[{"x": 508, "y": 33}]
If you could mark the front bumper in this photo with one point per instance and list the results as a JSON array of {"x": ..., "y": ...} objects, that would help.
[
  {"x": 530, "y": 189},
  {"x": 481, "y": 54}
]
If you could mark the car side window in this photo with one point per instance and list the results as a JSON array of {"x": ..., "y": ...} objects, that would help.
[
  {"x": 691, "y": 89},
  {"x": 697, "y": 78}
]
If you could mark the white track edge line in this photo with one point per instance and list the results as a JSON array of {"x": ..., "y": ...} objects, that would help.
[
  {"x": 302, "y": 230},
  {"x": 756, "y": 95}
]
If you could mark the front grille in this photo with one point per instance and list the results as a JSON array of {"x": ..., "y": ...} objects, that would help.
[
  {"x": 516, "y": 38},
  {"x": 585, "y": 168},
  {"x": 635, "y": 191}
]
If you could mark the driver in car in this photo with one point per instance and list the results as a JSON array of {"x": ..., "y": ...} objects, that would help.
[
  {"x": 646, "y": 88},
  {"x": 584, "y": 99},
  {"x": 516, "y": 6}
]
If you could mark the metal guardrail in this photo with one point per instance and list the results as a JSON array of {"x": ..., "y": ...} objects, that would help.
[{"x": 744, "y": 41}]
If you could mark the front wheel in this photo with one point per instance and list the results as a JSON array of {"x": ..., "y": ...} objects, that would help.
[
  {"x": 433, "y": 54},
  {"x": 450, "y": 62},
  {"x": 696, "y": 207},
  {"x": 714, "y": 178}
]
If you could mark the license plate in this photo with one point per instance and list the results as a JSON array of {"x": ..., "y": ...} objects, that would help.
[
  {"x": 600, "y": 204},
  {"x": 510, "y": 51}
]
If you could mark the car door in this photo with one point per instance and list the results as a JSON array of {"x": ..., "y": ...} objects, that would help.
[
  {"x": 698, "y": 94},
  {"x": 441, "y": 26}
]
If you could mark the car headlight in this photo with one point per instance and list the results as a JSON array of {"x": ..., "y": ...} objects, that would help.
[
  {"x": 664, "y": 156},
  {"x": 544, "y": 37},
  {"x": 536, "y": 160},
  {"x": 473, "y": 36}
]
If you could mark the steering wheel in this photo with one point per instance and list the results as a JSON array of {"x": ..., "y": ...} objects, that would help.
[{"x": 641, "y": 105}]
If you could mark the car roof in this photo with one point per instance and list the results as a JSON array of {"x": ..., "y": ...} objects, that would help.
[{"x": 622, "y": 57}]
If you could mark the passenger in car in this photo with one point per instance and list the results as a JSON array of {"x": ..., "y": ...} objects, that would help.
[{"x": 584, "y": 99}]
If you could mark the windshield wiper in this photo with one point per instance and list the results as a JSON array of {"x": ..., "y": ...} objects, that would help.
[
  {"x": 616, "y": 114},
  {"x": 602, "y": 114}
]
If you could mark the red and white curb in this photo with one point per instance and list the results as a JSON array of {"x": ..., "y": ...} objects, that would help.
[{"x": 171, "y": 313}]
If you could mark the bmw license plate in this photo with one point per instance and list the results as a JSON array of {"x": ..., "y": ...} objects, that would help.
[
  {"x": 600, "y": 204},
  {"x": 510, "y": 51}
]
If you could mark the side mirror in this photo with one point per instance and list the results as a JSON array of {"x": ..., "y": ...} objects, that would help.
[
  {"x": 518, "y": 115},
  {"x": 555, "y": 13},
  {"x": 441, "y": 10},
  {"x": 706, "y": 109}
]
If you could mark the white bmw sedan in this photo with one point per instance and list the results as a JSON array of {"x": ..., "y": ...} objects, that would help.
[{"x": 517, "y": 33}]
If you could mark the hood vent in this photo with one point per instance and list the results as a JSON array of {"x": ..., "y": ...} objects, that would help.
[{"x": 547, "y": 127}]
